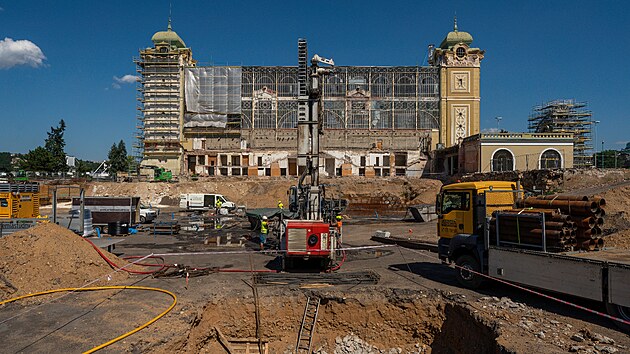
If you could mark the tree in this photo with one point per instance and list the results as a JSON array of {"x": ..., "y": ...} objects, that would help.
[
  {"x": 5, "y": 162},
  {"x": 39, "y": 159},
  {"x": 55, "y": 145},
  {"x": 118, "y": 158}
]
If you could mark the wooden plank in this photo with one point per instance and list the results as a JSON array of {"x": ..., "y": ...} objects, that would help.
[{"x": 224, "y": 342}]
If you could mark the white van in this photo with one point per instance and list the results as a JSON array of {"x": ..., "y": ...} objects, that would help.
[{"x": 196, "y": 201}]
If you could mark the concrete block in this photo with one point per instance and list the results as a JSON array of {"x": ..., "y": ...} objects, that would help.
[
  {"x": 369, "y": 172},
  {"x": 252, "y": 171},
  {"x": 380, "y": 233}
]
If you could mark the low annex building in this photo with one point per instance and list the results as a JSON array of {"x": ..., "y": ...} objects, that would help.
[{"x": 490, "y": 152}]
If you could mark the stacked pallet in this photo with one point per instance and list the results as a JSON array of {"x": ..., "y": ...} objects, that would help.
[{"x": 586, "y": 212}]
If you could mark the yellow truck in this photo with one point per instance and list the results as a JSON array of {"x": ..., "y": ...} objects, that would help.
[{"x": 472, "y": 235}]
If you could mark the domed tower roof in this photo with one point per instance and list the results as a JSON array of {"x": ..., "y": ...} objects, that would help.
[
  {"x": 169, "y": 36},
  {"x": 456, "y": 37}
]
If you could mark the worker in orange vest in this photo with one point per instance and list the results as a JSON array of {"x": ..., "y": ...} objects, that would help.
[{"x": 339, "y": 225}]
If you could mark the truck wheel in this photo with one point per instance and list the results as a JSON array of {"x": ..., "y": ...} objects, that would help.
[
  {"x": 619, "y": 312},
  {"x": 466, "y": 265},
  {"x": 142, "y": 219}
]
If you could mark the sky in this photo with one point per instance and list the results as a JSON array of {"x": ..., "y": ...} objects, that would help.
[{"x": 73, "y": 60}]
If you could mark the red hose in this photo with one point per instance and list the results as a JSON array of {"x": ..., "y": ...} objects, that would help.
[
  {"x": 113, "y": 265},
  {"x": 343, "y": 259},
  {"x": 165, "y": 266}
]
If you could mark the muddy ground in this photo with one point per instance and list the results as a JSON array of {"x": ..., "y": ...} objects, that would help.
[{"x": 416, "y": 306}]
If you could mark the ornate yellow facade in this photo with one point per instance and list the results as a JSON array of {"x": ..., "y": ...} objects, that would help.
[{"x": 459, "y": 87}]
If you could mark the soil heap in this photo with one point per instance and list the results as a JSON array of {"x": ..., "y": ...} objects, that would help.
[{"x": 49, "y": 256}]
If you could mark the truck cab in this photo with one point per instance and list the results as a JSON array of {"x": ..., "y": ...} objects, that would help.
[{"x": 462, "y": 209}]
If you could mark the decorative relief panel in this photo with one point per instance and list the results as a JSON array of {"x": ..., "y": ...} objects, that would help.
[
  {"x": 459, "y": 124},
  {"x": 460, "y": 81}
]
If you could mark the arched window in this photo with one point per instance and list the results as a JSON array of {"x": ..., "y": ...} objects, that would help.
[
  {"x": 502, "y": 160},
  {"x": 550, "y": 159}
]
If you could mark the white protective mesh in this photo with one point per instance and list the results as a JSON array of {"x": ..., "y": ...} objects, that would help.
[{"x": 211, "y": 94}]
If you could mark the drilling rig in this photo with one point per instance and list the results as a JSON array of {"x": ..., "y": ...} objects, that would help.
[{"x": 311, "y": 236}]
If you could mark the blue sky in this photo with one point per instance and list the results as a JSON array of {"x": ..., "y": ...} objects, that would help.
[{"x": 535, "y": 51}]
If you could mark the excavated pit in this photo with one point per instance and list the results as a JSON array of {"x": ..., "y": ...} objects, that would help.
[{"x": 413, "y": 323}]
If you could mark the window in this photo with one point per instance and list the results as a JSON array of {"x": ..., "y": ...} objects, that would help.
[
  {"x": 502, "y": 160},
  {"x": 4, "y": 202},
  {"x": 550, "y": 159},
  {"x": 455, "y": 201},
  {"x": 460, "y": 52}
]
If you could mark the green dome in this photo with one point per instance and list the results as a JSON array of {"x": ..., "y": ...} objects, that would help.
[
  {"x": 169, "y": 36},
  {"x": 456, "y": 37}
]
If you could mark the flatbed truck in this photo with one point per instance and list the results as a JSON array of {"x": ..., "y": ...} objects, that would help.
[{"x": 465, "y": 238}]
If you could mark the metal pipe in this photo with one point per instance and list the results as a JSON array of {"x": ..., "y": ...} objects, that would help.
[
  {"x": 589, "y": 222},
  {"x": 82, "y": 212},
  {"x": 588, "y": 245},
  {"x": 566, "y": 206},
  {"x": 563, "y": 197},
  {"x": 599, "y": 243}
]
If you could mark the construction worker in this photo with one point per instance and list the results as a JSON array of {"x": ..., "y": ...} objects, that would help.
[
  {"x": 280, "y": 205},
  {"x": 339, "y": 225},
  {"x": 218, "y": 206},
  {"x": 264, "y": 230}
]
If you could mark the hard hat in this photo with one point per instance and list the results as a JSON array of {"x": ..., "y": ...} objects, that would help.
[
  {"x": 279, "y": 201},
  {"x": 264, "y": 218},
  {"x": 338, "y": 217}
]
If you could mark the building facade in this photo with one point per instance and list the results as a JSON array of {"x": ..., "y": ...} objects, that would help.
[
  {"x": 497, "y": 152},
  {"x": 236, "y": 121}
]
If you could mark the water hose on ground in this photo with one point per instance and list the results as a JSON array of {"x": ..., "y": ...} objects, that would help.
[{"x": 122, "y": 287}]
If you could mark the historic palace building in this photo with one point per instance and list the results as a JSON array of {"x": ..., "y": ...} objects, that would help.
[{"x": 242, "y": 120}]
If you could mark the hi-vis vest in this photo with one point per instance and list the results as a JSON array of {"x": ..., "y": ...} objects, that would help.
[{"x": 263, "y": 227}]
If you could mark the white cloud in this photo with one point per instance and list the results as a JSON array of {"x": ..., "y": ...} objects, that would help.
[
  {"x": 127, "y": 79},
  {"x": 20, "y": 52}
]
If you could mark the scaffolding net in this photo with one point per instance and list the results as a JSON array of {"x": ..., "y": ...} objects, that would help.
[{"x": 211, "y": 93}]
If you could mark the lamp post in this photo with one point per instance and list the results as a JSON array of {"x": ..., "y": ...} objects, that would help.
[
  {"x": 498, "y": 121},
  {"x": 595, "y": 144},
  {"x": 602, "y": 152}
]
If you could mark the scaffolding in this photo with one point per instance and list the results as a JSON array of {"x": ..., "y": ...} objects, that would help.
[
  {"x": 566, "y": 116},
  {"x": 159, "y": 101}
]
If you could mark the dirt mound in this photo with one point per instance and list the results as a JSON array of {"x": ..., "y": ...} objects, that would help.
[
  {"x": 264, "y": 192},
  {"x": 619, "y": 239},
  {"x": 49, "y": 256}
]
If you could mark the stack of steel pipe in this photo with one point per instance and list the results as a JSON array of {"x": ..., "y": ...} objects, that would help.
[
  {"x": 525, "y": 227},
  {"x": 586, "y": 213}
]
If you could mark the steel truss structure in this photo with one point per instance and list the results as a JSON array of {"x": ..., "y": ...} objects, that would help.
[{"x": 355, "y": 98}]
